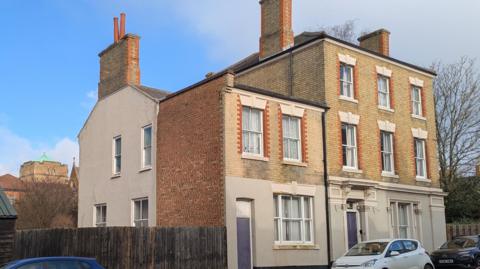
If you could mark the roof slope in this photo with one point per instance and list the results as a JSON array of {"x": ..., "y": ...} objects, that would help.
[
  {"x": 154, "y": 93},
  {"x": 11, "y": 183},
  {"x": 308, "y": 37},
  {"x": 6, "y": 209}
]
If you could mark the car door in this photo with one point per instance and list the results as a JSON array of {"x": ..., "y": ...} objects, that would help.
[
  {"x": 414, "y": 259},
  {"x": 395, "y": 262}
]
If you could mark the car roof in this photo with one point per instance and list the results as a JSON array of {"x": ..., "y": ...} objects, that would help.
[
  {"x": 46, "y": 259},
  {"x": 387, "y": 240}
]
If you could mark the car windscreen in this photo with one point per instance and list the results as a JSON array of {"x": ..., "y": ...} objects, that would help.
[
  {"x": 367, "y": 249},
  {"x": 458, "y": 243}
]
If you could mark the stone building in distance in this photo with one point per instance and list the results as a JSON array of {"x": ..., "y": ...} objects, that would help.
[{"x": 44, "y": 169}]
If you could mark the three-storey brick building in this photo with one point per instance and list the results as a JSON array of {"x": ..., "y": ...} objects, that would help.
[{"x": 300, "y": 150}]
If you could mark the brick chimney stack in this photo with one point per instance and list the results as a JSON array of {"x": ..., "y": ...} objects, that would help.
[
  {"x": 276, "y": 27},
  {"x": 378, "y": 41},
  {"x": 120, "y": 62}
]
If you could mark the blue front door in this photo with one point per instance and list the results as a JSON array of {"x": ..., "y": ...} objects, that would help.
[
  {"x": 244, "y": 244},
  {"x": 352, "y": 229}
]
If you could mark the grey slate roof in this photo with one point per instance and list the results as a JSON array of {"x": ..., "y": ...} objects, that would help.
[
  {"x": 305, "y": 38},
  {"x": 6, "y": 209},
  {"x": 156, "y": 94}
]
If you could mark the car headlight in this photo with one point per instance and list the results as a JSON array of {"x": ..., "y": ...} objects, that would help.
[{"x": 370, "y": 263}]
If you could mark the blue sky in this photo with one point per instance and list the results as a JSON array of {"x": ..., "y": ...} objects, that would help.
[{"x": 49, "y": 64}]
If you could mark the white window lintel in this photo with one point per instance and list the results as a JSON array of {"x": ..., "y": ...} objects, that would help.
[
  {"x": 416, "y": 82},
  {"x": 349, "y": 117},
  {"x": 347, "y": 59},
  {"x": 292, "y": 110},
  {"x": 419, "y": 133},
  {"x": 382, "y": 70},
  {"x": 386, "y": 126},
  {"x": 294, "y": 189},
  {"x": 253, "y": 101}
]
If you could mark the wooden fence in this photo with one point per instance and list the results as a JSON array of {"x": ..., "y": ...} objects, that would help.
[
  {"x": 454, "y": 230},
  {"x": 7, "y": 237},
  {"x": 130, "y": 248}
]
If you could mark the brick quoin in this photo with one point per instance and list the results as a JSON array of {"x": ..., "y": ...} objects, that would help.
[
  {"x": 391, "y": 89},
  {"x": 356, "y": 93},
  {"x": 304, "y": 137},
  {"x": 266, "y": 131},
  {"x": 239, "y": 126},
  {"x": 190, "y": 162},
  {"x": 424, "y": 106},
  {"x": 280, "y": 133}
]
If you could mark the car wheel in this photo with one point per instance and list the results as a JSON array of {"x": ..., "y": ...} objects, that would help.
[
  {"x": 477, "y": 262},
  {"x": 428, "y": 266}
]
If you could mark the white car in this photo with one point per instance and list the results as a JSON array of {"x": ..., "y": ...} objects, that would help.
[{"x": 386, "y": 253}]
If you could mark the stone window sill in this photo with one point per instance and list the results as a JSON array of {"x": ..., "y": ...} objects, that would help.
[
  {"x": 348, "y": 99},
  {"x": 386, "y": 109},
  {"x": 145, "y": 169},
  {"x": 254, "y": 157},
  {"x": 418, "y": 117},
  {"x": 295, "y": 247},
  {"x": 387, "y": 174},
  {"x": 114, "y": 176},
  {"x": 295, "y": 163},
  {"x": 352, "y": 170},
  {"x": 423, "y": 179}
]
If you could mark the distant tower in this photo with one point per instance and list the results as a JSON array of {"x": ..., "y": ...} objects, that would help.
[{"x": 44, "y": 169}]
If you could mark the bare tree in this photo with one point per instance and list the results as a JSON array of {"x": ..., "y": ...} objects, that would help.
[
  {"x": 46, "y": 205},
  {"x": 457, "y": 104},
  {"x": 346, "y": 31}
]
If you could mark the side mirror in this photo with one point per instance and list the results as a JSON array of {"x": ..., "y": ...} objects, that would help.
[{"x": 393, "y": 253}]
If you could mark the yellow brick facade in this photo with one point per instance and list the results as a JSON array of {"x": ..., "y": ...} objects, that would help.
[
  {"x": 273, "y": 168},
  {"x": 311, "y": 72}
]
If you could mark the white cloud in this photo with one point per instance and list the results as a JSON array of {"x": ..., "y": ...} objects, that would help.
[
  {"x": 15, "y": 150},
  {"x": 90, "y": 100}
]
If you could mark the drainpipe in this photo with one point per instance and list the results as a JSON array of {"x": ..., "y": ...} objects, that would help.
[{"x": 326, "y": 184}]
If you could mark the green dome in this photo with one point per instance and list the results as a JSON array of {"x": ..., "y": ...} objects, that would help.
[{"x": 44, "y": 158}]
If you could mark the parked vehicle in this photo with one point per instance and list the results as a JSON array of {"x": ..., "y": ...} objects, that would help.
[
  {"x": 54, "y": 263},
  {"x": 463, "y": 251},
  {"x": 386, "y": 253}
]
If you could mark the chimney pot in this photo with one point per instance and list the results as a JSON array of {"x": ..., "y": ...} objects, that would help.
[
  {"x": 122, "y": 25},
  {"x": 115, "y": 29},
  {"x": 378, "y": 41}
]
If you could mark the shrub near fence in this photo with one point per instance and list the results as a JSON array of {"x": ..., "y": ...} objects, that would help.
[
  {"x": 454, "y": 230},
  {"x": 130, "y": 248}
]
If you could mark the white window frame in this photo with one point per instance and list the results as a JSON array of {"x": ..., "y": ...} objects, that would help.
[
  {"x": 103, "y": 211},
  {"x": 287, "y": 140},
  {"x": 247, "y": 132},
  {"x": 387, "y": 135},
  {"x": 349, "y": 84},
  {"x": 412, "y": 225},
  {"x": 278, "y": 219},
  {"x": 144, "y": 147},
  {"x": 354, "y": 147},
  {"x": 385, "y": 91},
  {"x": 422, "y": 160},
  {"x": 115, "y": 156},
  {"x": 141, "y": 219},
  {"x": 417, "y": 104}
]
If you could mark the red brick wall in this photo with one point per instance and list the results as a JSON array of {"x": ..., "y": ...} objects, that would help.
[{"x": 190, "y": 167}]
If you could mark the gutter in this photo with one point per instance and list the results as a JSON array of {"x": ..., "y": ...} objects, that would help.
[{"x": 326, "y": 186}]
